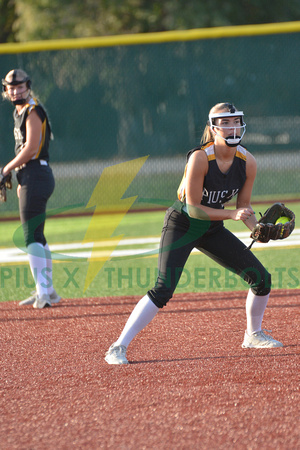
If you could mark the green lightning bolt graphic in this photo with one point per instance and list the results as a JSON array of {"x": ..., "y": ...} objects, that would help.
[{"x": 107, "y": 198}]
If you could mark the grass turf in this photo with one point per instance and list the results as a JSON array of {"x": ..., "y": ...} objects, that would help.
[{"x": 134, "y": 276}]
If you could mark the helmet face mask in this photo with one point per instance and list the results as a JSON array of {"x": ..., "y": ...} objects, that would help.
[
  {"x": 232, "y": 140},
  {"x": 16, "y": 77}
]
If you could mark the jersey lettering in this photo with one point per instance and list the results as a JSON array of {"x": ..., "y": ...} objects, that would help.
[
  {"x": 214, "y": 197},
  {"x": 17, "y": 134},
  {"x": 218, "y": 187}
]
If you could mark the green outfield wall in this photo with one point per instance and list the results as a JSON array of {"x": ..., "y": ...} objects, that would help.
[{"x": 117, "y": 98}]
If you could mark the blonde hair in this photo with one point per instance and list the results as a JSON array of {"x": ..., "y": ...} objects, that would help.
[{"x": 208, "y": 135}]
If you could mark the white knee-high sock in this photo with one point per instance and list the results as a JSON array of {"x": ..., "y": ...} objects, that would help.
[
  {"x": 255, "y": 308},
  {"x": 38, "y": 266},
  {"x": 142, "y": 314},
  {"x": 50, "y": 288}
]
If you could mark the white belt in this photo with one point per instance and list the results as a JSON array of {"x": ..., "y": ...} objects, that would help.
[{"x": 41, "y": 161}]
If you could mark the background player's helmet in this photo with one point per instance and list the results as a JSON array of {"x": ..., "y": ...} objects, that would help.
[
  {"x": 13, "y": 78},
  {"x": 239, "y": 131}
]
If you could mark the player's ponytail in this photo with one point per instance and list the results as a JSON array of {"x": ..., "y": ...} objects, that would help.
[{"x": 207, "y": 135}]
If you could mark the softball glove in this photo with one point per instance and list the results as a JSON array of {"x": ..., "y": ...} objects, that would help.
[
  {"x": 270, "y": 227},
  {"x": 5, "y": 183}
]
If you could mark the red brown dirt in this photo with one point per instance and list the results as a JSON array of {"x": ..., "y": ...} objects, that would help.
[{"x": 189, "y": 385}]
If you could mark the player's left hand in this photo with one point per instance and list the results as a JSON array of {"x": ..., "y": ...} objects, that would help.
[
  {"x": 270, "y": 227},
  {"x": 5, "y": 179},
  {"x": 5, "y": 183}
]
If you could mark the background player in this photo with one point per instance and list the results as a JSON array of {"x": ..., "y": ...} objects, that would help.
[
  {"x": 215, "y": 172},
  {"x": 32, "y": 134}
]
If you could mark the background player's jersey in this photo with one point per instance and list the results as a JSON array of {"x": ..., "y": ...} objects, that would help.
[
  {"x": 218, "y": 187},
  {"x": 20, "y": 129}
]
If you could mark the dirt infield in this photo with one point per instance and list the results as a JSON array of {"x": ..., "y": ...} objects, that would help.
[{"x": 190, "y": 384}]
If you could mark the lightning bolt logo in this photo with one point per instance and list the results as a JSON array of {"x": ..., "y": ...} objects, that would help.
[{"x": 107, "y": 198}]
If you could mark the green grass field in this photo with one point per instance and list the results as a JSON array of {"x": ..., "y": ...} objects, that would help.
[{"x": 134, "y": 275}]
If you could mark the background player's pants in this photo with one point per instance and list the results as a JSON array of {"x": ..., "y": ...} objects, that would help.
[
  {"x": 37, "y": 184},
  {"x": 181, "y": 234}
]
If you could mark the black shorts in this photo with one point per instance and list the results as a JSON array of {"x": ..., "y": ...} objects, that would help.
[
  {"x": 181, "y": 234},
  {"x": 37, "y": 184}
]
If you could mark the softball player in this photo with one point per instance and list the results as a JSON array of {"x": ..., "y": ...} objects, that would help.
[
  {"x": 32, "y": 134},
  {"x": 218, "y": 170}
]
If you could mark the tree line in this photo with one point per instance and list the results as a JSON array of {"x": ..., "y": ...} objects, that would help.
[{"x": 27, "y": 20}]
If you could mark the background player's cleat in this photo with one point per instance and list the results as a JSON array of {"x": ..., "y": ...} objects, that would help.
[
  {"x": 42, "y": 302},
  {"x": 54, "y": 298},
  {"x": 116, "y": 354},
  {"x": 260, "y": 340},
  {"x": 30, "y": 300}
]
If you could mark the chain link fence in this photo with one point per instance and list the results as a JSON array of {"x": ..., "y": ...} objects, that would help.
[{"x": 116, "y": 103}]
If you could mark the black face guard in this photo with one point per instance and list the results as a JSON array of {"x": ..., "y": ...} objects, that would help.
[
  {"x": 14, "y": 82},
  {"x": 20, "y": 101}
]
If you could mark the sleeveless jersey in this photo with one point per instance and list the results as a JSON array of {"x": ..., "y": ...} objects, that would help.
[
  {"x": 218, "y": 187},
  {"x": 20, "y": 129}
]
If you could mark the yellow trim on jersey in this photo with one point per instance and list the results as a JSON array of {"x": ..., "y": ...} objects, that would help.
[
  {"x": 31, "y": 106},
  {"x": 241, "y": 153},
  {"x": 181, "y": 189},
  {"x": 207, "y": 145},
  {"x": 43, "y": 137},
  {"x": 209, "y": 149}
]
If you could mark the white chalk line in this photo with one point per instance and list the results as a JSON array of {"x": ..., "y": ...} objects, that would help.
[{"x": 146, "y": 245}]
